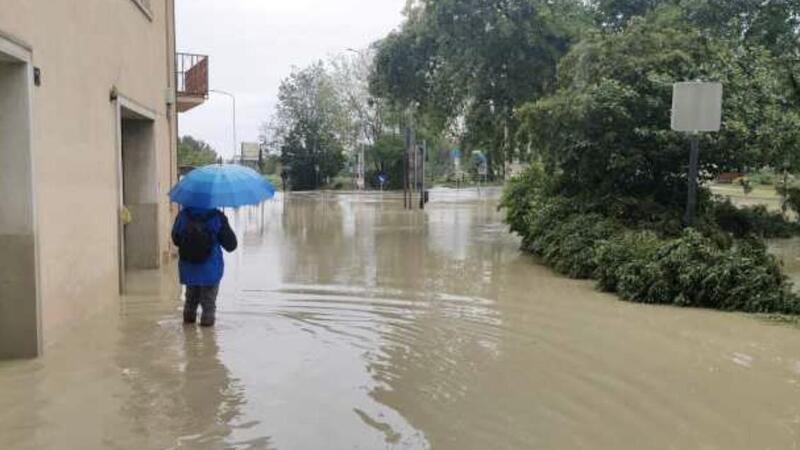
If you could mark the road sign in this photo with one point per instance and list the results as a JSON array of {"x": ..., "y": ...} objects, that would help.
[
  {"x": 250, "y": 151},
  {"x": 382, "y": 178},
  {"x": 696, "y": 106},
  {"x": 481, "y": 162}
]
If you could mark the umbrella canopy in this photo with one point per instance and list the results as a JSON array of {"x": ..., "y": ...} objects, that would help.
[{"x": 221, "y": 186}]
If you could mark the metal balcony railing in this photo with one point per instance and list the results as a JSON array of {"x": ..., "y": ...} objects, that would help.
[{"x": 192, "y": 74}]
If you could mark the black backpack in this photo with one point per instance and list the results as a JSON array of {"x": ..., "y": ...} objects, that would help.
[{"x": 196, "y": 242}]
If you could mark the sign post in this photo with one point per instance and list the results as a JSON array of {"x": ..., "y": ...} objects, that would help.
[
  {"x": 483, "y": 167},
  {"x": 382, "y": 179},
  {"x": 456, "y": 153},
  {"x": 696, "y": 108}
]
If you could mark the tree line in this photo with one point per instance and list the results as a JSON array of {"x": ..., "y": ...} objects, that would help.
[
  {"x": 326, "y": 116},
  {"x": 489, "y": 72}
]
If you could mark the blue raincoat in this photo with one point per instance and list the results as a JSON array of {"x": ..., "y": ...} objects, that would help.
[{"x": 209, "y": 272}]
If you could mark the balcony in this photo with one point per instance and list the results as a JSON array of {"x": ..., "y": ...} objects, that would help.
[{"x": 192, "y": 74}]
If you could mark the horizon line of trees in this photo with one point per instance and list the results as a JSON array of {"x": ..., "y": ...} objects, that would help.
[
  {"x": 527, "y": 80},
  {"x": 473, "y": 69},
  {"x": 193, "y": 152}
]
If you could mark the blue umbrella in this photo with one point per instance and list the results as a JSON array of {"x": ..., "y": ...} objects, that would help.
[{"x": 221, "y": 186}]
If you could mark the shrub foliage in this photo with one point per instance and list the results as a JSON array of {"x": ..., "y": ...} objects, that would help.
[{"x": 723, "y": 264}]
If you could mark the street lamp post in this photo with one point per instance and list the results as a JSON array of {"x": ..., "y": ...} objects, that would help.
[{"x": 233, "y": 99}]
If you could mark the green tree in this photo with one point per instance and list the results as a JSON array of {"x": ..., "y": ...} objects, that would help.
[
  {"x": 309, "y": 126},
  {"x": 605, "y": 132},
  {"x": 773, "y": 24},
  {"x": 615, "y": 14},
  {"x": 386, "y": 156},
  {"x": 468, "y": 64},
  {"x": 311, "y": 156},
  {"x": 195, "y": 153}
]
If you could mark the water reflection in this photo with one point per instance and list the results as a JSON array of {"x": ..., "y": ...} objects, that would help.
[{"x": 180, "y": 393}]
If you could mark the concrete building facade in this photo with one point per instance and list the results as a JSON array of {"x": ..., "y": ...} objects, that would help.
[{"x": 87, "y": 126}]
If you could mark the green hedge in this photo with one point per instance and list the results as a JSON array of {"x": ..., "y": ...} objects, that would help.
[
  {"x": 758, "y": 220},
  {"x": 693, "y": 270},
  {"x": 715, "y": 269}
]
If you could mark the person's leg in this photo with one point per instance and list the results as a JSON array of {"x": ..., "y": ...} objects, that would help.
[
  {"x": 208, "y": 300},
  {"x": 193, "y": 296}
]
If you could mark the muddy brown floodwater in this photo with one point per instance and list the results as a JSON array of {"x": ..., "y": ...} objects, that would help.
[{"x": 347, "y": 323}]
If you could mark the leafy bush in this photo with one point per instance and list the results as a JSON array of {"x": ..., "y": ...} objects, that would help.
[
  {"x": 519, "y": 198},
  {"x": 624, "y": 248},
  {"x": 691, "y": 269},
  {"x": 791, "y": 198},
  {"x": 746, "y": 183},
  {"x": 758, "y": 220},
  {"x": 568, "y": 246}
]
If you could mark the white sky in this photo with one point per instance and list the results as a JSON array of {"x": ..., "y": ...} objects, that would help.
[{"x": 253, "y": 44}]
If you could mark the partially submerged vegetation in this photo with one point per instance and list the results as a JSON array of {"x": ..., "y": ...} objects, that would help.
[{"x": 711, "y": 266}]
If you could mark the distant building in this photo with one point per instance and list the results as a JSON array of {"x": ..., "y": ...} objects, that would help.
[{"x": 89, "y": 93}]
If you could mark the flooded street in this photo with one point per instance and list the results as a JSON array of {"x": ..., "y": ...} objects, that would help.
[{"x": 348, "y": 323}]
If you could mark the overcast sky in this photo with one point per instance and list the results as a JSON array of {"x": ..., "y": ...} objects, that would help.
[{"x": 253, "y": 44}]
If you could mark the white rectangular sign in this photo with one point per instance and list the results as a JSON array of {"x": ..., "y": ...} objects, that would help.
[
  {"x": 250, "y": 151},
  {"x": 696, "y": 106}
]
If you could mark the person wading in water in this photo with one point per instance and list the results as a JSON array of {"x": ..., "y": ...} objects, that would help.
[{"x": 200, "y": 235}]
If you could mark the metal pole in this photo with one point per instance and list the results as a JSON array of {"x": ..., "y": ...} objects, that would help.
[
  {"x": 262, "y": 218},
  {"x": 363, "y": 168},
  {"x": 234, "y": 128},
  {"x": 405, "y": 179},
  {"x": 694, "y": 162},
  {"x": 233, "y": 99},
  {"x": 422, "y": 175},
  {"x": 405, "y": 168},
  {"x": 414, "y": 178}
]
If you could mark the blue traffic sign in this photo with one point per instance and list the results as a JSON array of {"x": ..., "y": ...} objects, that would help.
[{"x": 383, "y": 178}]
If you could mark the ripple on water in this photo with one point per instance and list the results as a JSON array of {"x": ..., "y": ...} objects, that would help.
[{"x": 366, "y": 326}]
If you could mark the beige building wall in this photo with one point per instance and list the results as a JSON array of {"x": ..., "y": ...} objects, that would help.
[{"x": 84, "y": 49}]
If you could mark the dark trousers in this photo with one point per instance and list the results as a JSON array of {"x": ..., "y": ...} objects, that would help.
[{"x": 205, "y": 297}]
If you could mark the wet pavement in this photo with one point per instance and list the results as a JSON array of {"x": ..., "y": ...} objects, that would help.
[{"x": 348, "y": 323}]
